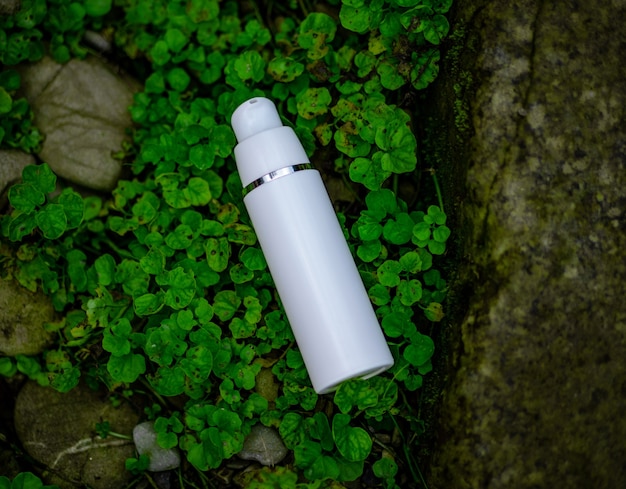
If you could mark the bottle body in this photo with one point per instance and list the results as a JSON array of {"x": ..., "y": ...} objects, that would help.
[{"x": 314, "y": 272}]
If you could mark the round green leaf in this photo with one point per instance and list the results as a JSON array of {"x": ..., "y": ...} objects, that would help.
[
  {"x": 126, "y": 368},
  {"x": 73, "y": 206},
  {"x": 197, "y": 191},
  {"x": 317, "y": 30},
  {"x": 52, "y": 221},
  {"x": 411, "y": 262},
  {"x": 250, "y": 66},
  {"x": 178, "y": 79},
  {"x": 313, "y": 102},
  {"x": 421, "y": 231},
  {"x": 379, "y": 295},
  {"x": 41, "y": 177},
  {"x": 218, "y": 253},
  {"x": 353, "y": 443},
  {"x": 168, "y": 381},
  {"x": 182, "y": 288},
  {"x": 285, "y": 69},
  {"x": 399, "y": 230},
  {"x": 97, "y": 8},
  {"x": 436, "y": 29},
  {"x": 6, "y": 102},
  {"x": 388, "y": 273},
  {"x": 409, "y": 291},
  {"x": 175, "y": 40},
  {"x": 253, "y": 259},
  {"x": 441, "y": 233},
  {"x": 355, "y": 19},
  {"x": 105, "y": 269},
  {"x": 25, "y": 197},
  {"x": 369, "y": 251},
  {"x": 419, "y": 351}
]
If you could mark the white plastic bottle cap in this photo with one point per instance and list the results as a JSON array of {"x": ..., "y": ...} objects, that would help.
[{"x": 254, "y": 116}]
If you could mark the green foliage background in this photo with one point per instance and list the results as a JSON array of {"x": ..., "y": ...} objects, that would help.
[{"x": 162, "y": 286}]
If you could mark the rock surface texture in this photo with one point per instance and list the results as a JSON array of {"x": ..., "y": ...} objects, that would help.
[
  {"x": 58, "y": 430},
  {"x": 12, "y": 162},
  {"x": 23, "y": 315},
  {"x": 82, "y": 109},
  {"x": 537, "y": 390}
]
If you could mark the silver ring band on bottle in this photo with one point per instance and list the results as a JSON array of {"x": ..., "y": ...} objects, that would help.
[{"x": 274, "y": 175}]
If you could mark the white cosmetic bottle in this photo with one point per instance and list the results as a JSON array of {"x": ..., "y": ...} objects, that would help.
[{"x": 317, "y": 280}]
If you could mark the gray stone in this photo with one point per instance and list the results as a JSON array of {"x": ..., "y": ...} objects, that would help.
[
  {"x": 58, "y": 430},
  {"x": 537, "y": 389},
  {"x": 12, "y": 162},
  {"x": 82, "y": 109},
  {"x": 9, "y": 7},
  {"x": 264, "y": 445},
  {"x": 23, "y": 315},
  {"x": 145, "y": 438}
]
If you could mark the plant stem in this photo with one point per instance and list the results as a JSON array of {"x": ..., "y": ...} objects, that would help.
[{"x": 438, "y": 190}]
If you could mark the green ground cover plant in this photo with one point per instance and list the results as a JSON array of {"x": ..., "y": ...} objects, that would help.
[{"x": 163, "y": 289}]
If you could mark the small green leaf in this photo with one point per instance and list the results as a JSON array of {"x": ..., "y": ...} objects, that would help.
[
  {"x": 126, "y": 368},
  {"x": 153, "y": 262},
  {"x": 369, "y": 250},
  {"x": 253, "y": 259},
  {"x": 147, "y": 304},
  {"x": 396, "y": 324},
  {"x": 180, "y": 238},
  {"x": 353, "y": 443},
  {"x": 356, "y": 19},
  {"x": 421, "y": 231},
  {"x": 6, "y": 102},
  {"x": 411, "y": 262},
  {"x": 175, "y": 40},
  {"x": 285, "y": 70},
  {"x": 197, "y": 191},
  {"x": 178, "y": 79},
  {"x": 419, "y": 350},
  {"x": 313, "y": 102},
  {"x": 434, "y": 312},
  {"x": 409, "y": 291},
  {"x": 115, "y": 339},
  {"x": 97, "y": 8},
  {"x": 73, "y": 206},
  {"x": 52, "y": 221},
  {"x": 25, "y": 197},
  {"x": 399, "y": 231},
  {"x": 379, "y": 295},
  {"x": 436, "y": 247},
  {"x": 218, "y": 253},
  {"x": 182, "y": 288},
  {"x": 316, "y": 32},
  {"x": 435, "y": 29},
  {"x": 368, "y": 172},
  {"x": 388, "y": 273},
  {"x": 385, "y": 468},
  {"x": 168, "y": 381},
  {"x": 105, "y": 269},
  {"x": 355, "y": 394},
  {"x": 441, "y": 234},
  {"x": 250, "y": 66},
  {"x": 226, "y": 304},
  {"x": 41, "y": 177}
]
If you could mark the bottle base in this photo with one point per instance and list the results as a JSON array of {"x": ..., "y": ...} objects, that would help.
[{"x": 363, "y": 375}]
